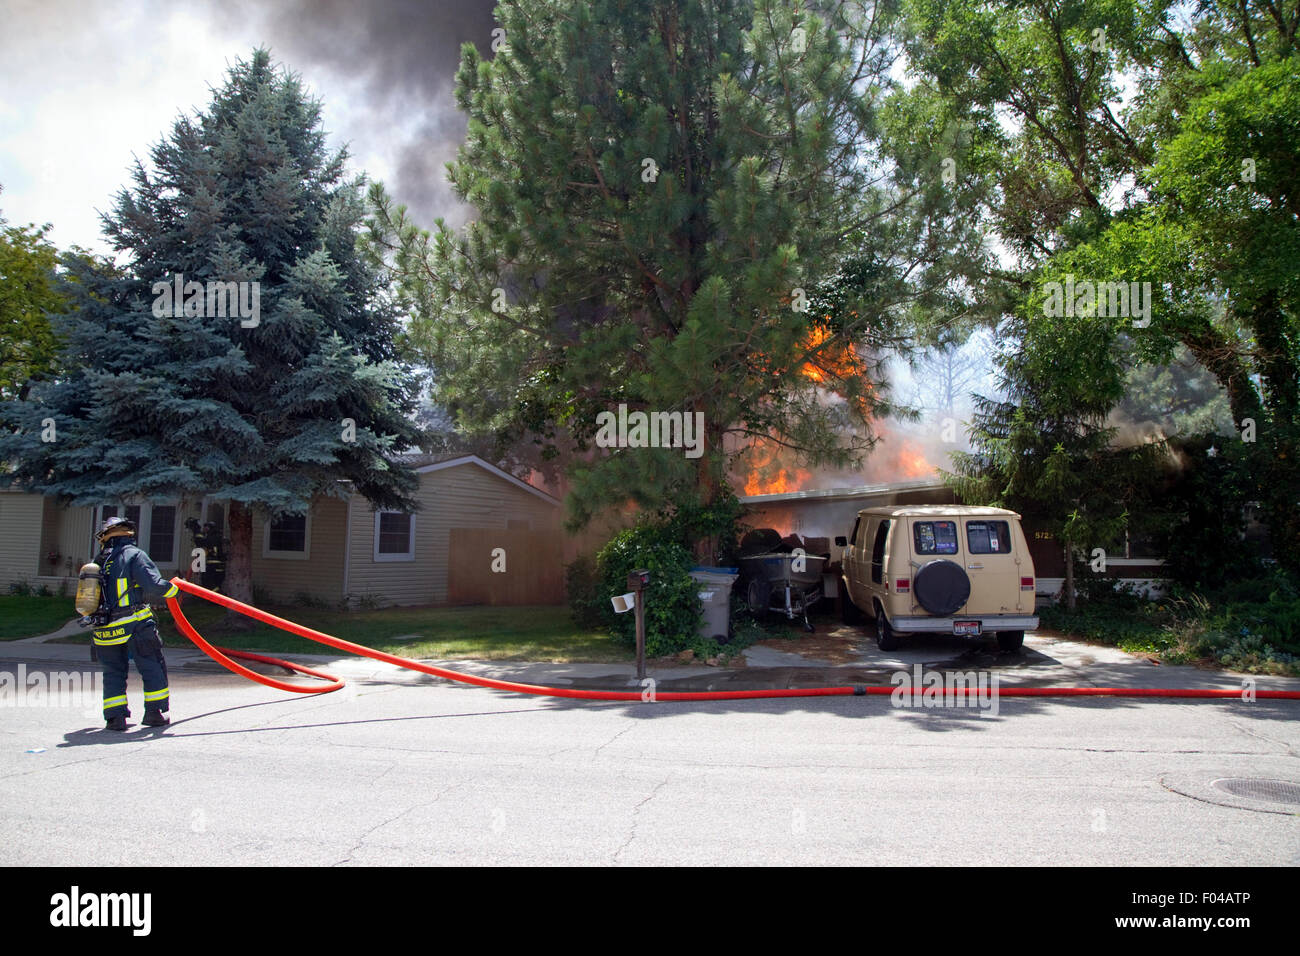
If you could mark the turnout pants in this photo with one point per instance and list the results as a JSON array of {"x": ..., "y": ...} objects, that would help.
[{"x": 145, "y": 646}]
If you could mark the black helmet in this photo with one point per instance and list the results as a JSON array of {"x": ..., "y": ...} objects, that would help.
[{"x": 115, "y": 527}]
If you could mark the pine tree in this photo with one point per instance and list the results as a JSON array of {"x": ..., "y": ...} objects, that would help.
[
  {"x": 662, "y": 188},
  {"x": 303, "y": 396}
]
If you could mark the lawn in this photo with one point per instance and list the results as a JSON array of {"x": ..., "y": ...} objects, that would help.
[
  {"x": 467, "y": 633},
  {"x": 23, "y": 615}
]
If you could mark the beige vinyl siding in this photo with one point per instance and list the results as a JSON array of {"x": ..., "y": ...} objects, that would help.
[
  {"x": 461, "y": 496},
  {"x": 21, "y": 517},
  {"x": 321, "y": 574},
  {"x": 31, "y": 526}
]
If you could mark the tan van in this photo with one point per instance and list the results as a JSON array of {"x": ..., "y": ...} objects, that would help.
[{"x": 941, "y": 569}]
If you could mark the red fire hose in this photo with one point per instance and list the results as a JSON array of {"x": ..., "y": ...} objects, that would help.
[{"x": 223, "y": 656}]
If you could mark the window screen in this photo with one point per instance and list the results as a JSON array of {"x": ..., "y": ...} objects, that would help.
[
  {"x": 935, "y": 537},
  {"x": 394, "y": 533},
  {"x": 288, "y": 533},
  {"x": 162, "y": 533},
  {"x": 988, "y": 537}
]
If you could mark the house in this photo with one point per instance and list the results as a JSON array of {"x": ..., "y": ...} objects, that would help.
[{"x": 480, "y": 536}]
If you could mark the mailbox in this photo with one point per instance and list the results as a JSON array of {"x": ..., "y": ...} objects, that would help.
[{"x": 638, "y": 580}]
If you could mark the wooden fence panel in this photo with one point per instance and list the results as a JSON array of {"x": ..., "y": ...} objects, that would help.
[{"x": 534, "y": 568}]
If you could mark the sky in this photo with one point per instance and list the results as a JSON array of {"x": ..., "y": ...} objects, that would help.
[{"x": 87, "y": 86}]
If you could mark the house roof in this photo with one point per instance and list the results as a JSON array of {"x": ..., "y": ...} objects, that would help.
[
  {"x": 861, "y": 491},
  {"x": 425, "y": 463}
]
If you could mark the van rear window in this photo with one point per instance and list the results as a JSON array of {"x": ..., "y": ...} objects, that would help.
[
  {"x": 988, "y": 537},
  {"x": 935, "y": 537}
]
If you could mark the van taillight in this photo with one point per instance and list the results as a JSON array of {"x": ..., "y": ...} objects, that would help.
[
  {"x": 1026, "y": 584},
  {"x": 903, "y": 585}
]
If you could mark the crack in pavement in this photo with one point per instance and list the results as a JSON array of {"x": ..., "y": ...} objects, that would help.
[
  {"x": 389, "y": 769},
  {"x": 393, "y": 819},
  {"x": 636, "y": 811},
  {"x": 1290, "y": 751},
  {"x": 70, "y": 763},
  {"x": 630, "y": 725},
  {"x": 566, "y": 750}
]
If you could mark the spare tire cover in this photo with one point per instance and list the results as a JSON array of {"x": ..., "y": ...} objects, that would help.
[{"x": 941, "y": 587}]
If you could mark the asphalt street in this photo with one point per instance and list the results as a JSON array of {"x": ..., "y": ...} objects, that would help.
[{"x": 402, "y": 769}]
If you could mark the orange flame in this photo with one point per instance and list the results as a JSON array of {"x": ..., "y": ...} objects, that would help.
[
  {"x": 770, "y": 476},
  {"x": 782, "y": 483},
  {"x": 771, "y": 473},
  {"x": 911, "y": 461},
  {"x": 827, "y": 359}
]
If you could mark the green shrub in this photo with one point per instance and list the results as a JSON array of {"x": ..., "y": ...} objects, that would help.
[
  {"x": 717, "y": 525},
  {"x": 1277, "y": 622},
  {"x": 21, "y": 588},
  {"x": 1249, "y": 623},
  {"x": 582, "y": 591},
  {"x": 304, "y": 599},
  {"x": 1097, "y": 589},
  {"x": 1109, "y": 624},
  {"x": 671, "y": 601},
  {"x": 1201, "y": 534}
]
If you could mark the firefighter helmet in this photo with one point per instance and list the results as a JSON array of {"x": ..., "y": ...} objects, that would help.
[{"x": 115, "y": 527}]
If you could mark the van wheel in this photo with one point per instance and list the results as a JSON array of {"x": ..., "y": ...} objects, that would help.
[
  {"x": 886, "y": 636},
  {"x": 1011, "y": 640}
]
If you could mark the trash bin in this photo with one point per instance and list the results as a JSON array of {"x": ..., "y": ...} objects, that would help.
[{"x": 715, "y": 599}]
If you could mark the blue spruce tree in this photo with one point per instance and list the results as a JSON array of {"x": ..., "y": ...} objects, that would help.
[{"x": 272, "y": 376}]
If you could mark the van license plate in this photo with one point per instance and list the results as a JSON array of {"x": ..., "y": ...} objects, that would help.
[{"x": 966, "y": 627}]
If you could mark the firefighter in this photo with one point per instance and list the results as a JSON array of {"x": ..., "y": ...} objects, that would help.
[
  {"x": 208, "y": 540},
  {"x": 125, "y": 627}
]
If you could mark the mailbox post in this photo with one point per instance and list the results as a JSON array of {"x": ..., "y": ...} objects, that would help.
[{"x": 637, "y": 582}]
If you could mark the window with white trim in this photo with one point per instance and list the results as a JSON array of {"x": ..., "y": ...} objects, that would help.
[
  {"x": 394, "y": 536},
  {"x": 155, "y": 528},
  {"x": 288, "y": 536},
  {"x": 162, "y": 534}
]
